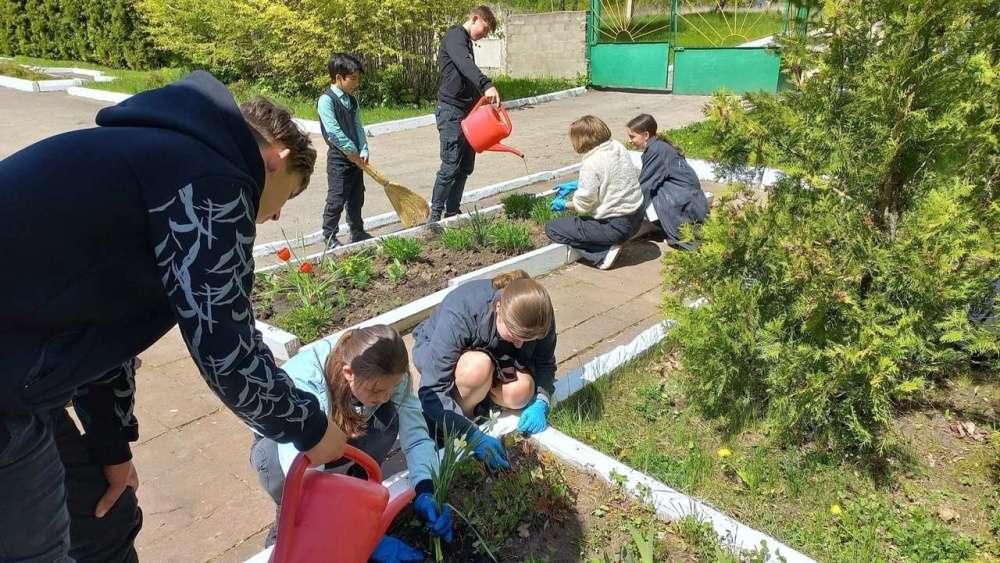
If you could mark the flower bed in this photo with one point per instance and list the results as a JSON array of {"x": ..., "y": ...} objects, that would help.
[
  {"x": 317, "y": 298},
  {"x": 545, "y": 510},
  {"x": 935, "y": 501}
]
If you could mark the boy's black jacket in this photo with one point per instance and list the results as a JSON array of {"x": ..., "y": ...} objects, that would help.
[
  {"x": 461, "y": 80},
  {"x": 114, "y": 234}
]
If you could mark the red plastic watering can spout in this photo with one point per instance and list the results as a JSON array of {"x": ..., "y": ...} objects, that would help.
[{"x": 500, "y": 147}]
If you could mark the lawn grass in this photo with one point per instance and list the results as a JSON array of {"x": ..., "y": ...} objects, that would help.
[
  {"x": 15, "y": 70},
  {"x": 702, "y": 29},
  {"x": 304, "y": 107},
  {"x": 937, "y": 501}
]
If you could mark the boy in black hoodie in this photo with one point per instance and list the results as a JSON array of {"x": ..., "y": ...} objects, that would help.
[
  {"x": 142, "y": 223},
  {"x": 461, "y": 83}
]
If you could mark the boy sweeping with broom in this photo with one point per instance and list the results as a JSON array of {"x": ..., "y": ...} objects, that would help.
[{"x": 340, "y": 122}]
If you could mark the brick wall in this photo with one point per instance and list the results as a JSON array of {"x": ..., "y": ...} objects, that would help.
[{"x": 552, "y": 44}]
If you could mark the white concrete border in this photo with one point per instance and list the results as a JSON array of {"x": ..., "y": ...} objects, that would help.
[
  {"x": 100, "y": 95},
  {"x": 709, "y": 171},
  {"x": 55, "y": 84},
  {"x": 18, "y": 84},
  {"x": 537, "y": 262},
  {"x": 392, "y": 217}
]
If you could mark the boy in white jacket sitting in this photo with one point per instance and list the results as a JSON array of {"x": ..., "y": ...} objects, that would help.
[{"x": 608, "y": 198}]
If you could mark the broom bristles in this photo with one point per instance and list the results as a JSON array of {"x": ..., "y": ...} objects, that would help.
[{"x": 411, "y": 208}]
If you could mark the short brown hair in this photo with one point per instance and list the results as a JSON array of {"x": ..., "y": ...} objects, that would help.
[
  {"x": 486, "y": 14},
  {"x": 643, "y": 123},
  {"x": 272, "y": 124},
  {"x": 588, "y": 132}
]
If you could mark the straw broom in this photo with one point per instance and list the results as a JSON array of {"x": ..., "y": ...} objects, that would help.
[{"x": 411, "y": 208}]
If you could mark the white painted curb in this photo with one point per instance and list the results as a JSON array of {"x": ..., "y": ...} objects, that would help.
[
  {"x": 709, "y": 171},
  {"x": 58, "y": 85},
  {"x": 669, "y": 504},
  {"x": 18, "y": 84},
  {"x": 100, "y": 95},
  {"x": 386, "y": 127},
  {"x": 392, "y": 217},
  {"x": 284, "y": 345}
]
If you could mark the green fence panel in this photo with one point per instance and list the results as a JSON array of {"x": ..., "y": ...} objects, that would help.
[
  {"x": 629, "y": 65},
  {"x": 739, "y": 70}
]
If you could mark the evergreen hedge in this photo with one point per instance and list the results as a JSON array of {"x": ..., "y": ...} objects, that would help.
[{"x": 105, "y": 32}]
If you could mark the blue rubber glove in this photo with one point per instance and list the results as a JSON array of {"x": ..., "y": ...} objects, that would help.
[
  {"x": 558, "y": 204},
  {"x": 533, "y": 418},
  {"x": 563, "y": 190},
  {"x": 438, "y": 524},
  {"x": 392, "y": 550},
  {"x": 489, "y": 450}
]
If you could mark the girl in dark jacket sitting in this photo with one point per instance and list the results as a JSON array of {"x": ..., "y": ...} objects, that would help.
[
  {"x": 489, "y": 339},
  {"x": 668, "y": 182}
]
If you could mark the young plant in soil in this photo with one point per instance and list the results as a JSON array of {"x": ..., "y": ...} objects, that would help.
[
  {"x": 396, "y": 272},
  {"x": 458, "y": 239},
  {"x": 400, "y": 249},
  {"x": 518, "y": 206},
  {"x": 509, "y": 237}
]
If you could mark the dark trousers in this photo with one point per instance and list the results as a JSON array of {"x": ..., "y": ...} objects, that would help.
[
  {"x": 383, "y": 429},
  {"x": 458, "y": 160},
  {"x": 593, "y": 237},
  {"x": 49, "y": 488},
  {"x": 345, "y": 187}
]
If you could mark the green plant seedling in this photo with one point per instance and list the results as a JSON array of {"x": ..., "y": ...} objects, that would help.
[
  {"x": 518, "y": 206},
  {"x": 400, "y": 249}
]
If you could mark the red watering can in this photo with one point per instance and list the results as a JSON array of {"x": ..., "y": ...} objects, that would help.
[
  {"x": 327, "y": 517},
  {"x": 486, "y": 126}
]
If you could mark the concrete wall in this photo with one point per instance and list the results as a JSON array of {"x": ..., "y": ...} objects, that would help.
[{"x": 552, "y": 44}]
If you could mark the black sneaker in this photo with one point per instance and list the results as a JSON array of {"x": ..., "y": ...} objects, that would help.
[
  {"x": 360, "y": 236},
  {"x": 433, "y": 218},
  {"x": 332, "y": 243}
]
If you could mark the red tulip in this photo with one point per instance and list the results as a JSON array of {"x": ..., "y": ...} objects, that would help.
[
  {"x": 284, "y": 254},
  {"x": 306, "y": 267}
]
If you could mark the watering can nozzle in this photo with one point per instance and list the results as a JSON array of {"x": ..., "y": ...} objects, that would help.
[{"x": 500, "y": 147}]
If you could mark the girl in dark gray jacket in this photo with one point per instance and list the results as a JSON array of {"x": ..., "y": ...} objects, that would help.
[
  {"x": 489, "y": 339},
  {"x": 667, "y": 181}
]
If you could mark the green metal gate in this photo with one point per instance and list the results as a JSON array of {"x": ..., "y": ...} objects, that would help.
[
  {"x": 629, "y": 49},
  {"x": 689, "y": 46}
]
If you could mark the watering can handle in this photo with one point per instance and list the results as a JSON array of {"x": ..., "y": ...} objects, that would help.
[{"x": 302, "y": 462}]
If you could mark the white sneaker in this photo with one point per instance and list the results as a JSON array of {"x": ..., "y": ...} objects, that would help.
[{"x": 609, "y": 260}]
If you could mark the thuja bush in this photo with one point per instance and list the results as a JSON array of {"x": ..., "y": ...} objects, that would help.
[{"x": 846, "y": 287}]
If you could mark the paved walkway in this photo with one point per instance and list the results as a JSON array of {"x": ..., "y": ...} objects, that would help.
[
  {"x": 409, "y": 157},
  {"x": 199, "y": 494}
]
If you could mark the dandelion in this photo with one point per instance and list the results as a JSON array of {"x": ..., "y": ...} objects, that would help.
[
  {"x": 284, "y": 254},
  {"x": 724, "y": 452},
  {"x": 835, "y": 509}
]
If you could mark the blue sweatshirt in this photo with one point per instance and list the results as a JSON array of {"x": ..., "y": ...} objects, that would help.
[{"x": 119, "y": 232}]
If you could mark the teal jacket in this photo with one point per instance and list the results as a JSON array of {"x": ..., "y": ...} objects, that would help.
[{"x": 306, "y": 371}]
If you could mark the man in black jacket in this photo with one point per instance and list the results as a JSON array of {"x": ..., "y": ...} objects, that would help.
[
  {"x": 142, "y": 223},
  {"x": 460, "y": 87}
]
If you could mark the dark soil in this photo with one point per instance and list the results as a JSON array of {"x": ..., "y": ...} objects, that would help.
[
  {"x": 542, "y": 510},
  {"x": 428, "y": 274}
]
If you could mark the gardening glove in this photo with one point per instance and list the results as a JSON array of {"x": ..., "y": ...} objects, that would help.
[
  {"x": 558, "y": 204},
  {"x": 489, "y": 450},
  {"x": 563, "y": 190},
  {"x": 438, "y": 524},
  {"x": 533, "y": 418},
  {"x": 392, "y": 550}
]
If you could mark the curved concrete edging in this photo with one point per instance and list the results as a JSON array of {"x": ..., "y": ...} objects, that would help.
[{"x": 55, "y": 84}]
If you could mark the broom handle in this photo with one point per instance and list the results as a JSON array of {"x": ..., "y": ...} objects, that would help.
[{"x": 368, "y": 168}]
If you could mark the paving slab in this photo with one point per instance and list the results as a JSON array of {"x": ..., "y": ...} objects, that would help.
[{"x": 26, "y": 117}]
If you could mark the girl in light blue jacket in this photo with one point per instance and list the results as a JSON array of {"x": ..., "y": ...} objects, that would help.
[{"x": 364, "y": 386}]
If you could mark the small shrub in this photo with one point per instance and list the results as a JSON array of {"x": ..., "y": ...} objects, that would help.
[
  {"x": 307, "y": 321},
  {"x": 396, "y": 272},
  {"x": 510, "y": 237},
  {"x": 458, "y": 239},
  {"x": 541, "y": 211},
  {"x": 479, "y": 227},
  {"x": 518, "y": 206},
  {"x": 355, "y": 269},
  {"x": 400, "y": 249}
]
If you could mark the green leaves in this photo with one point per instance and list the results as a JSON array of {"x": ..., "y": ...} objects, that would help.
[{"x": 847, "y": 286}]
